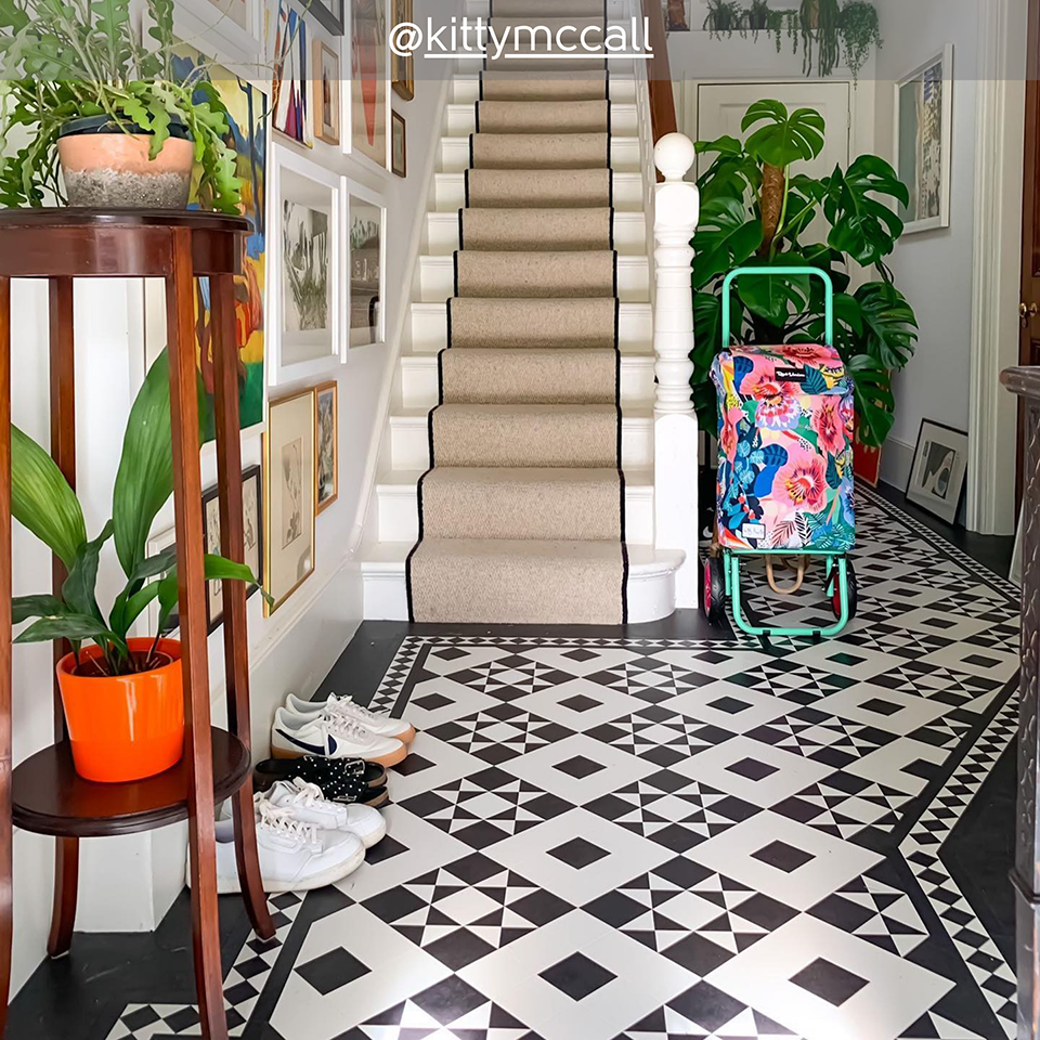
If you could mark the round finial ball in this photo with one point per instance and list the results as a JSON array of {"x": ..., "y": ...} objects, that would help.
[{"x": 674, "y": 155}]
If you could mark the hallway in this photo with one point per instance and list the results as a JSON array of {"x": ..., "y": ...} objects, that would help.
[{"x": 642, "y": 837}]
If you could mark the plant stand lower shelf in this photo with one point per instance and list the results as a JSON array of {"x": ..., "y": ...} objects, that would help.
[
  {"x": 44, "y": 793},
  {"x": 50, "y": 797}
]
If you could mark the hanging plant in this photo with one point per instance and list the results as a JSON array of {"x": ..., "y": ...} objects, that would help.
[
  {"x": 859, "y": 31},
  {"x": 723, "y": 18},
  {"x": 818, "y": 23}
]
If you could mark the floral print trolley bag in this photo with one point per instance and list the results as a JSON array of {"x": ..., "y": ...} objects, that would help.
[{"x": 785, "y": 486}]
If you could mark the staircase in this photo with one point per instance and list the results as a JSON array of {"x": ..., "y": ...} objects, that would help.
[{"x": 528, "y": 367}]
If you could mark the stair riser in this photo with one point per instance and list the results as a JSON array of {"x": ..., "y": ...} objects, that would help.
[
  {"x": 467, "y": 90},
  {"x": 442, "y": 233},
  {"x": 399, "y": 515},
  {"x": 462, "y": 120},
  {"x": 450, "y": 192},
  {"x": 437, "y": 278},
  {"x": 410, "y": 444},
  {"x": 619, "y": 67},
  {"x": 624, "y": 154},
  {"x": 429, "y": 327},
  {"x": 419, "y": 386},
  {"x": 650, "y": 597}
]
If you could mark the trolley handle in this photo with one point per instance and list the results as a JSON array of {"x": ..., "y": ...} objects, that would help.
[{"x": 828, "y": 296}]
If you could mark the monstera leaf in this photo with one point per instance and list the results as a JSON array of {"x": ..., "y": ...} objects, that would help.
[
  {"x": 874, "y": 400},
  {"x": 888, "y": 323},
  {"x": 773, "y": 296},
  {"x": 724, "y": 239},
  {"x": 785, "y": 138},
  {"x": 861, "y": 225}
]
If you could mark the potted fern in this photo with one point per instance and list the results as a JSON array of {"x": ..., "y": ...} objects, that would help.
[
  {"x": 104, "y": 108},
  {"x": 122, "y": 696}
]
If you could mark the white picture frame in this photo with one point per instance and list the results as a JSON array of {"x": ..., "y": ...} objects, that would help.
[
  {"x": 204, "y": 24},
  {"x": 940, "y": 463},
  {"x": 910, "y": 94},
  {"x": 356, "y": 193},
  {"x": 351, "y": 107},
  {"x": 295, "y": 353}
]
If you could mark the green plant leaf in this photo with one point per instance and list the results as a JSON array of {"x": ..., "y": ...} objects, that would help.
[
  {"x": 134, "y": 604},
  {"x": 861, "y": 225},
  {"x": 215, "y": 568},
  {"x": 889, "y": 324},
  {"x": 154, "y": 565},
  {"x": 785, "y": 138},
  {"x": 875, "y": 403},
  {"x": 44, "y": 605},
  {"x": 144, "y": 480},
  {"x": 724, "y": 239},
  {"x": 73, "y": 627},
  {"x": 42, "y": 500},
  {"x": 725, "y": 145},
  {"x": 773, "y": 297},
  {"x": 78, "y": 590}
]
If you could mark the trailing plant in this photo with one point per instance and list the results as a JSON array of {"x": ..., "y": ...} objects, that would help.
[
  {"x": 818, "y": 27},
  {"x": 860, "y": 32},
  {"x": 65, "y": 59},
  {"x": 759, "y": 17},
  {"x": 757, "y": 211},
  {"x": 723, "y": 18},
  {"x": 42, "y": 500}
]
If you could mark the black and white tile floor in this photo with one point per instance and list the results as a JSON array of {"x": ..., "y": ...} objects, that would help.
[{"x": 601, "y": 838}]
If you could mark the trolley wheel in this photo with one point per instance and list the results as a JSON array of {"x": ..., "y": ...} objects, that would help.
[
  {"x": 714, "y": 601},
  {"x": 850, "y": 577}
]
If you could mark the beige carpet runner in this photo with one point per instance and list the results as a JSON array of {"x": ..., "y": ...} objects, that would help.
[{"x": 521, "y": 515}]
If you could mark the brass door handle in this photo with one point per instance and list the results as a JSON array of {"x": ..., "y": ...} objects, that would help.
[{"x": 1024, "y": 312}]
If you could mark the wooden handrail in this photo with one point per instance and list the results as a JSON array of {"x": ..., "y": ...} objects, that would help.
[{"x": 659, "y": 75}]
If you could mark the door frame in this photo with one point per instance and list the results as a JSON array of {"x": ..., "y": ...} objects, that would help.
[{"x": 996, "y": 266}]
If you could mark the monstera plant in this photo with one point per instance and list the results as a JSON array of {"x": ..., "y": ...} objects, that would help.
[{"x": 757, "y": 210}]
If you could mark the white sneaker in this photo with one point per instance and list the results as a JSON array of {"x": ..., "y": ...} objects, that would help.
[
  {"x": 377, "y": 722},
  {"x": 307, "y": 804},
  {"x": 331, "y": 735},
  {"x": 294, "y": 856}
]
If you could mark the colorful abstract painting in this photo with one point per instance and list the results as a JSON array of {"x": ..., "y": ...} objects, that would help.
[
  {"x": 289, "y": 83},
  {"x": 368, "y": 77},
  {"x": 246, "y": 107}
]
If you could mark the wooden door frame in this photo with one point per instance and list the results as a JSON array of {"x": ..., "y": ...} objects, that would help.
[{"x": 996, "y": 267}]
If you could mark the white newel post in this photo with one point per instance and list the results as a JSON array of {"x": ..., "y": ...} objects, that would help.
[{"x": 676, "y": 209}]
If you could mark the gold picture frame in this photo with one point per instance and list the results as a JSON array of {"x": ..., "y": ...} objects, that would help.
[
  {"x": 289, "y": 497},
  {"x": 326, "y": 443},
  {"x": 402, "y": 67},
  {"x": 327, "y": 89}
]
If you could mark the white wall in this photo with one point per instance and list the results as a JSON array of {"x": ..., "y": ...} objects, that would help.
[
  {"x": 933, "y": 268},
  {"x": 128, "y": 884}
]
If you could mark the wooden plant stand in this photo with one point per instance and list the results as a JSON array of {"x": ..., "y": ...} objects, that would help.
[{"x": 44, "y": 794}]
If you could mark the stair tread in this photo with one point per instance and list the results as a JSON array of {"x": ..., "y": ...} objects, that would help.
[
  {"x": 389, "y": 557},
  {"x": 406, "y": 479},
  {"x": 629, "y": 414}
]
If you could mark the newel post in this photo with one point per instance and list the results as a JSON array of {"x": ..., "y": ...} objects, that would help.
[{"x": 676, "y": 441}]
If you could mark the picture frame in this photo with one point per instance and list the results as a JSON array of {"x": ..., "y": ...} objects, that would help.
[
  {"x": 369, "y": 84},
  {"x": 402, "y": 66},
  {"x": 326, "y": 445},
  {"x": 233, "y": 29},
  {"x": 366, "y": 265},
  {"x": 327, "y": 93},
  {"x": 306, "y": 306},
  {"x": 160, "y": 542},
  {"x": 923, "y": 117},
  {"x": 288, "y": 461},
  {"x": 398, "y": 145},
  {"x": 329, "y": 13},
  {"x": 252, "y": 517},
  {"x": 936, "y": 481},
  {"x": 290, "y": 78}
]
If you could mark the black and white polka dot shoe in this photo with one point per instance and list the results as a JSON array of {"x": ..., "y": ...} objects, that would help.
[{"x": 341, "y": 780}]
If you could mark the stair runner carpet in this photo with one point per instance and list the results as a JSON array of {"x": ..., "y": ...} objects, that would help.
[{"x": 521, "y": 515}]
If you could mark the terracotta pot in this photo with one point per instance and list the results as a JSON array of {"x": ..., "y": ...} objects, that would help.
[
  {"x": 107, "y": 168},
  {"x": 124, "y": 727}
]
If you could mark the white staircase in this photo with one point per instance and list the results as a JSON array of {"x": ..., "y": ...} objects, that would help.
[{"x": 392, "y": 521}]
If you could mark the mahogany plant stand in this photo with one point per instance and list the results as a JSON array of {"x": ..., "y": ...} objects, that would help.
[{"x": 44, "y": 794}]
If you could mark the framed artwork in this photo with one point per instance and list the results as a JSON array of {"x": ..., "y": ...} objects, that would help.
[
  {"x": 305, "y": 268},
  {"x": 329, "y": 13},
  {"x": 937, "y": 475},
  {"x": 367, "y": 218},
  {"x": 288, "y": 496},
  {"x": 162, "y": 542},
  {"x": 675, "y": 16},
  {"x": 235, "y": 27},
  {"x": 326, "y": 437},
  {"x": 402, "y": 67},
  {"x": 289, "y": 82},
  {"x": 326, "y": 93},
  {"x": 368, "y": 80},
  {"x": 246, "y": 107},
  {"x": 251, "y": 527},
  {"x": 398, "y": 145},
  {"x": 924, "y": 119}
]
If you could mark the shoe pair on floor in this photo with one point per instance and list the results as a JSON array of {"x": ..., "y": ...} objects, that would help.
[
  {"x": 348, "y": 781},
  {"x": 303, "y": 839},
  {"x": 338, "y": 728}
]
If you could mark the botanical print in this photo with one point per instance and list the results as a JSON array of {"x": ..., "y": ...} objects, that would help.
[
  {"x": 250, "y": 538},
  {"x": 368, "y": 78},
  {"x": 921, "y": 143},
  {"x": 326, "y": 446},
  {"x": 247, "y": 108},
  {"x": 289, "y": 84},
  {"x": 785, "y": 448},
  {"x": 305, "y": 268},
  {"x": 214, "y": 590},
  {"x": 292, "y": 492},
  {"x": 365, "y": 252}
]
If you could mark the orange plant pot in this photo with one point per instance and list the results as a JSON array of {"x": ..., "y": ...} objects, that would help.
[{"x": 124, "y": 727}]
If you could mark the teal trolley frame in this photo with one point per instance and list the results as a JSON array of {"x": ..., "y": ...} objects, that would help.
[{"x": 838, "y": 568}]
